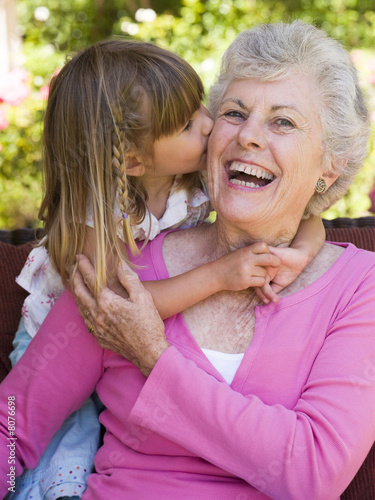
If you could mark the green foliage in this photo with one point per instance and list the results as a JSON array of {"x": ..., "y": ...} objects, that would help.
[
  {"x": 20, "y": 159},
  {"x": 199, "y": 32},
  {"x": 71, "y": 24}
]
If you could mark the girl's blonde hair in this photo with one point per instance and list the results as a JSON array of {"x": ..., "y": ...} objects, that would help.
[{"x": 114, "y": 97}]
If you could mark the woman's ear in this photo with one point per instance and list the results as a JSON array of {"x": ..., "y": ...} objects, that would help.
[
  {"x": 330, "y": 178},
  {"x": 134, "y": 164},
  {"x": 336, "y": 167}
]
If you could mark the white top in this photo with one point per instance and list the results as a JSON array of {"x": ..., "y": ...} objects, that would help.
[
  {"x": 225, "y": 363},
  {"x": 42, "y": 281},
  {"x": 180, "y": 213}
]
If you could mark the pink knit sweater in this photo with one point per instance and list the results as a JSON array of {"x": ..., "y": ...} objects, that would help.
[{"x": 296, "y": 422}]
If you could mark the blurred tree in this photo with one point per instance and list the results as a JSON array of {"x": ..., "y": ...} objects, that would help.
[
  {"x": 68, "y": 24},
  {"x": 198, "y": 30}
]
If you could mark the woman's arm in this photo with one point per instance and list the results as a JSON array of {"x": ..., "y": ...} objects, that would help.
[
  {"x": 111, "y": 312},
  {"x": 43, "y": 394}
]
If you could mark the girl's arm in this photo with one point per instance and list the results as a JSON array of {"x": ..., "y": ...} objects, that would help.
[
  {"x": 237, "y": 270},
  {"x": 310, "y": 237},
  {"x": 306, "y": 245},
  {"x": 247, "y": 267},
  {"x": 243, "y": 268},
  {"x": 251, "y": 266}
]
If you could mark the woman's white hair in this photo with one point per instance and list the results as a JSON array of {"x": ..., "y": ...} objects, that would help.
[{"x": 271, "y": 52}]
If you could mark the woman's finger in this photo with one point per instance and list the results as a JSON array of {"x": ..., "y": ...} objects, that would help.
[
  {"x": 130, "y": 281},
  {"x": 87, "y": 271},
  {"x": 82, "y": 294}
]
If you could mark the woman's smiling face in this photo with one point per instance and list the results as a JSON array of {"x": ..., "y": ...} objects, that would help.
[{"x": 266, "y": 150}]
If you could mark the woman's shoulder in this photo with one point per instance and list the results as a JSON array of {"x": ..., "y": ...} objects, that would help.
[
  {"x": 328, "y": 255},
  {"x": 341, "y": 262},
  {"x": 347, "y": 261},
  {"x": 183, "y": 250},
  {"x": 341, "y": 252},
  {"x": 350, "y": 251},
  {"x": 168, "y": 251}
]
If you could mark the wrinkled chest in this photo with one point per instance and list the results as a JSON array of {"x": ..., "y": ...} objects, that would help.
[{"x": 224, "y": 322}]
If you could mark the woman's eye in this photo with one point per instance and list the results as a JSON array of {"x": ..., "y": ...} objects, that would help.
[{"x": 284, "y": 122}]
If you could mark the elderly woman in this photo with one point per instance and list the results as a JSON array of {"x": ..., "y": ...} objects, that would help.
[{"x": 233, "y": 400}]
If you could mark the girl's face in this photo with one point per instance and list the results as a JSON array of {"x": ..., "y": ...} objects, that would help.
[{"x": 184, "y": 151}]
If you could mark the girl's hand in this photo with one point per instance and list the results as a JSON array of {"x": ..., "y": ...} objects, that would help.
[
  {"x": 293, "y": 262},
  {"x": 129, "y": 326},
  {"x": 247, "y": 267}
]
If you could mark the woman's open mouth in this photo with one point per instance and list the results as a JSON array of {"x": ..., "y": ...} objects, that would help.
[{"x": 252, "y": 176}]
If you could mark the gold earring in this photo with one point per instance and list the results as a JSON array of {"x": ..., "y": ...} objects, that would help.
[{"x": 321, "y": 186}]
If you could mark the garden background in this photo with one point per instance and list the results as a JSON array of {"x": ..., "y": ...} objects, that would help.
[{"x": 199, "y": 31}]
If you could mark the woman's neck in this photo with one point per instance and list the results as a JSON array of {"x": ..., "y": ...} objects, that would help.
[
  {"x": 225, "y": 237},
  {"x": 158, "y": 189}
]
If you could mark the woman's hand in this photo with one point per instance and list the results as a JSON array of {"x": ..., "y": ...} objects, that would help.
[{"x": 129, "y": 326}]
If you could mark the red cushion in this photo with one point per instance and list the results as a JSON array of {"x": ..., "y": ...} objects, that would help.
[
  {"x": 12, "y": 259},
  {"x": 363, "y": 485},
  {"x": 361, "y": 237}
]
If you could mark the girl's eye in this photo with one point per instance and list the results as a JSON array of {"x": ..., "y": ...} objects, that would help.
[
  {"x": 188, "y": 125},
  {"x": 234, "y": 114}
]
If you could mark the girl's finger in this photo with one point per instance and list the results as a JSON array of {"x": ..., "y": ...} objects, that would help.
[
  {"x": 276, "y": 288},
  {"x": 259, "y": 247},
  {"x": 261, "y": 295},
  {"x": 269, "y": 292},
  {"x": 268, "y": 260},
  {"x": 257, "y": 281}
]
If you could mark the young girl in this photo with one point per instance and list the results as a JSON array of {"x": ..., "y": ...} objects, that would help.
[{"x": 125, "y": 137}]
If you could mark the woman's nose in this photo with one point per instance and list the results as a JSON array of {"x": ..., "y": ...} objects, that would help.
[
  {"x": 208, "y": 122},
  {"x": 251, "y": 134}
]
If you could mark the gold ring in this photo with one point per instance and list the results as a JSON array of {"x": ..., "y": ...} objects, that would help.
[{"x": 90, "y": 329}]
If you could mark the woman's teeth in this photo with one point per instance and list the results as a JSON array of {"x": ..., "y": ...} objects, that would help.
[
  {"x": 249, "y": 175},
  {"x": 244, "y": 183}
]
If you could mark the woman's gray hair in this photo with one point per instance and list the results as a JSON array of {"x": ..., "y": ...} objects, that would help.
[{"x": 271, "y": 52}]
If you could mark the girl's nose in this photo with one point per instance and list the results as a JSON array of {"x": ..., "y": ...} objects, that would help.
[
  {"x": 208, "y": 122},
  {"x": 251, "y": 135}
]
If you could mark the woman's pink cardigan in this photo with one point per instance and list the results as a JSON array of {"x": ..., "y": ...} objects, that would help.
[{"x": 296, "y": 422}]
